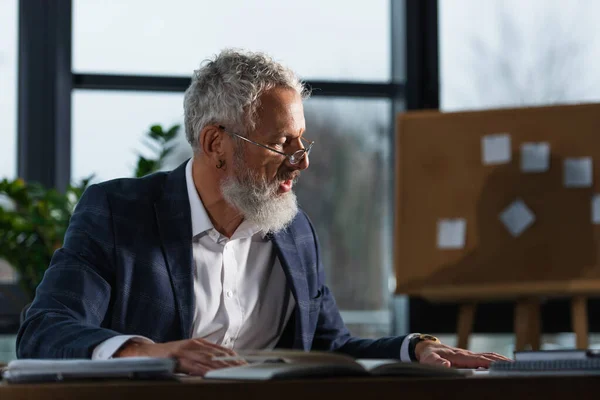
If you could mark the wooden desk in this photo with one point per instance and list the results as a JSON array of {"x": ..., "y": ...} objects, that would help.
[{"x": 329, "y": 389}]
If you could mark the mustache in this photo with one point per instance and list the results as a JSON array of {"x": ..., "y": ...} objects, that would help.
[{"x": 288, "y": 176}]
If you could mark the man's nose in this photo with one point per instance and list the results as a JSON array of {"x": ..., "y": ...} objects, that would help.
[{"x": 301, "y": 165}]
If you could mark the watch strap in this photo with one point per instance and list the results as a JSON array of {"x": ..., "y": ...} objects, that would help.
[{"x": 417, "y": 338}]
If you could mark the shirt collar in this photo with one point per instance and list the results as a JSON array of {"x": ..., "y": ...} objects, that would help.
[{"x": 200, "y": 221}]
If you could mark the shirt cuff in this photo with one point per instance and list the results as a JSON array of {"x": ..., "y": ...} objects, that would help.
[
  {"x": 109, "y": 347},
  {"x": 404, "y": 348}
]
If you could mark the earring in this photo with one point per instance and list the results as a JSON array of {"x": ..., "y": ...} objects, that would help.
[{"x": 220, "y": 164}]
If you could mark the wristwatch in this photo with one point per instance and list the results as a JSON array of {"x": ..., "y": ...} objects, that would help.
[{"x": 417, "y": 338}]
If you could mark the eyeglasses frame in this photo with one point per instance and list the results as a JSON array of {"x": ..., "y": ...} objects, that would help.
[{"x": 298, "y": 154}]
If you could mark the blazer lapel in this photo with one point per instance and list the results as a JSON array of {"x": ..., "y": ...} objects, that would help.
[
  {"x": 173, "y": 217},
  {"x": 287, "y": 251}
]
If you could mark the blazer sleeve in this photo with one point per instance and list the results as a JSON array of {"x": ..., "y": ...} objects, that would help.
[
  {"x": 71, "y": 302},
  {"x": 331, "y": 333}
]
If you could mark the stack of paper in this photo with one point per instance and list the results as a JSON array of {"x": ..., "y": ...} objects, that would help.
[{"x": 34, "y": 370}]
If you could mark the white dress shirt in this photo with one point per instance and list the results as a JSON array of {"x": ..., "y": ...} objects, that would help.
[{"x": 242, "y": 297}]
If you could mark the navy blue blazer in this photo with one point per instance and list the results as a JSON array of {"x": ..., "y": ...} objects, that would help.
[{"x": 126, "y": 267}]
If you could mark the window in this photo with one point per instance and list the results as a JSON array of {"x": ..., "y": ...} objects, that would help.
[
  {"x": 8, "y": 102},
  {"x": 501, "y": 53},
  {"x": 351, "y": 161},
  {"x": 512, "y": 53},
  {"x": 320, "y": 40},
  {"x": 8, "y": 88},
  {"x": 108, "y": 128}
]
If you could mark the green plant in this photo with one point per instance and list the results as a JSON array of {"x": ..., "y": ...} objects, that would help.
[
  {"x": 34, "y": 219},
  {"x": 34, "y": 227},
  {"x": 157, "y": 141}
]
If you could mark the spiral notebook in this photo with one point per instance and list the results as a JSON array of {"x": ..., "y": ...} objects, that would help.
[
  {"x": 590, "y": 366},
  {"x": 551, "y": 355}
]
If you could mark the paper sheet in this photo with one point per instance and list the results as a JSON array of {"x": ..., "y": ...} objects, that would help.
[
  {"x": 496, "y": 149},
  {"x": 535, "y": 157},
  {"x": 451, "y": 233},
  {"x": 517, "y": 217},
  {"x": 596, "y": 209},
  {"x": 578, "y": 172}
]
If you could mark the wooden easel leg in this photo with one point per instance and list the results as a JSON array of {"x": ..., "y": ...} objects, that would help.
[
  {"x": 521, "y": 324},
  {"x": 466, "y": 317},
  {"x": 527, "y": 324},
  {"x": 579, "y": 320},
  {"x": 535, "y": 324}
]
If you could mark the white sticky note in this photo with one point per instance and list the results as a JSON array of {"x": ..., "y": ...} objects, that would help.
[
  {"x": 578, "y": 172},
  {"x": 451, "y": 233},
  {"x": 596, "y": 209},
  {"x": 517, "y": 217},
  {"x": 535, "y": 157},
  {"x": 496, "y": 149}
]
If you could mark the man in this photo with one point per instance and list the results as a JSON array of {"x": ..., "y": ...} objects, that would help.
[{"x": 212, "y": 257}]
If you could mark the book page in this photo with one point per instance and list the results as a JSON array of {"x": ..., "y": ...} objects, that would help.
[
  {"x": 371, "y": 364},
  {"x": 392, "y": 367},
  {"x": 293, "y": 356}
]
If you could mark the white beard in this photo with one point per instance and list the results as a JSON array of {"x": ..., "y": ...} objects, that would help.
[{"x": 258, "y": 200}]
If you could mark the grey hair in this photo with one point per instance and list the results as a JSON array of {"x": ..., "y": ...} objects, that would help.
[{"x": 226, "y": 91}]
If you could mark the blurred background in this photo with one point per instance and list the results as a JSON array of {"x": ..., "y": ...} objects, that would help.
[{"x": 82, "y": 82}]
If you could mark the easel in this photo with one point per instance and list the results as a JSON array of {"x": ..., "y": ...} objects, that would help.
[
  {"x": 527, "y": 323},
  {"x": 439, "y": 174}
]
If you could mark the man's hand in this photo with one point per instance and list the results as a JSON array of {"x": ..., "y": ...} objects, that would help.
[
  {"x": 429, "y": 352},
  {"x": 194, "y": 356}
]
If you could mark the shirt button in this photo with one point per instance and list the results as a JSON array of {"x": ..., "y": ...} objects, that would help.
[{"x": 229, "y": 293}]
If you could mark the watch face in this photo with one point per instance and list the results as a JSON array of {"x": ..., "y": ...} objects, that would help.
[{"x": 429, "y": 337}]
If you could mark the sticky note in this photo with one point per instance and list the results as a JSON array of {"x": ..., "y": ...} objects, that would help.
[
  {"x": 451, "y": 233},
  {"x": 596, "y": 209},
  {"x": 578, "y": 172},
  {"x": 517, "y": 217},
  {"x": 496, "y": 149},
  {"x": 535, "y": 157}
]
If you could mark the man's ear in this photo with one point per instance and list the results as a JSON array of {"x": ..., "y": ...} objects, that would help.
[{"x": 212, "y": 142}]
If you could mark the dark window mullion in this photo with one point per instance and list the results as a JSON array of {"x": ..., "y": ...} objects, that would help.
[
  {"x": 44, "y": 92},
  {"x": 180, "y": 84}
]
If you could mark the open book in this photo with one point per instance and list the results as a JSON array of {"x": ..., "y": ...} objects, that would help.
[{"x": 293, "y": 364}]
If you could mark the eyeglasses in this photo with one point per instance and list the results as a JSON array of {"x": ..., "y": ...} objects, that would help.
[{"x": 293, "y": 158}]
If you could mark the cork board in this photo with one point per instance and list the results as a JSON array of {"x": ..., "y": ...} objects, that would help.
[{"x": 440, "y": 175}]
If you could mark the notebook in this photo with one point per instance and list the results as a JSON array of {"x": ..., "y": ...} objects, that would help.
[
  {"x": 36, "y": 370},
  {"x": 548, "y": 355},
  {"x": 277, "y": 365},
  {"x": 590, "y": 366}
]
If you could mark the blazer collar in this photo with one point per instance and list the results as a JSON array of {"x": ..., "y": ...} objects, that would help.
[
  {"x": 294, "y": 268},
  {"x": 174, "y": 221}
]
